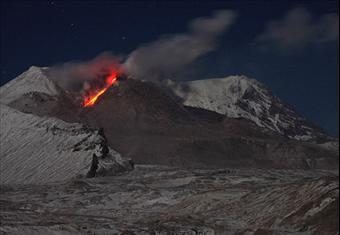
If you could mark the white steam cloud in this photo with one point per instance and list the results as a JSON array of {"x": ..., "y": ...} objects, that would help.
[
  {"x": 171, "y": 54},
  {"x": 299, "y": 28}
]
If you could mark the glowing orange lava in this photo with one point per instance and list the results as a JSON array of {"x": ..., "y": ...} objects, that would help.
[{"x": 92, "y": 98}]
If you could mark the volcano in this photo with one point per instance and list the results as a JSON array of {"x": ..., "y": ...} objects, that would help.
[{"x": 143, "y": 122}]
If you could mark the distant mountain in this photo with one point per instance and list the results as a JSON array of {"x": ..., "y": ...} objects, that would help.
[
  {"x": 241, "y": 97},
  {"x": 143, "y": 123},
  {"x": 38, "y": 150}
]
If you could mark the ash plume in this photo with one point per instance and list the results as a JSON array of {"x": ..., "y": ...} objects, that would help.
[
  {"x": 81, "y": 76},
  {"x": 171, "y": 54},
  {"x": 153, "y": 61}
]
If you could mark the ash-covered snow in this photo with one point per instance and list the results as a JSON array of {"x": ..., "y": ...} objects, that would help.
[
  {"x": 242, "y": 97},
  {"x": 41, "y": 149},
  {"x": 164, "y": 200}
]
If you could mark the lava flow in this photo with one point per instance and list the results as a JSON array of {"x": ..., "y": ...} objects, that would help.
[{"x": 92, "y": 98}]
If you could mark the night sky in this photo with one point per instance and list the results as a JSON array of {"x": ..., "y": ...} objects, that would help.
[{"x": 291, "y": 46}]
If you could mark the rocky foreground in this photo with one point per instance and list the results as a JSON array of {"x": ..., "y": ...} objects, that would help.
[{"x": 164, "y": 200}]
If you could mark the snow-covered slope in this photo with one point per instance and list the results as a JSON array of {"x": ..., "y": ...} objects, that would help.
[
  {"x": 241, "y": 97},
  {"x": 39, "y": 150},
  {"x": 33, "y": 80}
]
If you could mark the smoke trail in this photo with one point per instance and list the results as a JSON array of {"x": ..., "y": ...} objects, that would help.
[{"x": 171, "y": 54}]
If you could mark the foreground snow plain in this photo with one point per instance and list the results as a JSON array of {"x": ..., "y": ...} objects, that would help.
[{"x": 164, "y": 200}]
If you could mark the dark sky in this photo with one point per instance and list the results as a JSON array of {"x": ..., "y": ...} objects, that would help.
[{"x": 297, "y": 56}]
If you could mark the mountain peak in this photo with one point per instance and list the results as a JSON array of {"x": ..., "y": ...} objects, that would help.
[
  {"x": 241, "y": 97},
  {"x": 36, "y": 68},
  {"x": 34, "y": 79}
]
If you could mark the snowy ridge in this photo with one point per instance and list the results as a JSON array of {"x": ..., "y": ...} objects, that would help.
[
  {"x": 331, "y": 145},
  {"x": 241, "y": 97},
  {"x": 33, "y": 80},
  {"x": 40, "y": 150}
]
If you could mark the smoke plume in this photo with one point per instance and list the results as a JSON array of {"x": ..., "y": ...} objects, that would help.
[
  {"x": 153, "y": 61},
  {"x": 82, "y": 76},
  {"x": 171, "y": 54}
]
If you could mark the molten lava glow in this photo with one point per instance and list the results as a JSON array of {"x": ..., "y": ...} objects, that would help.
[{"x": 92, "y": 98}]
